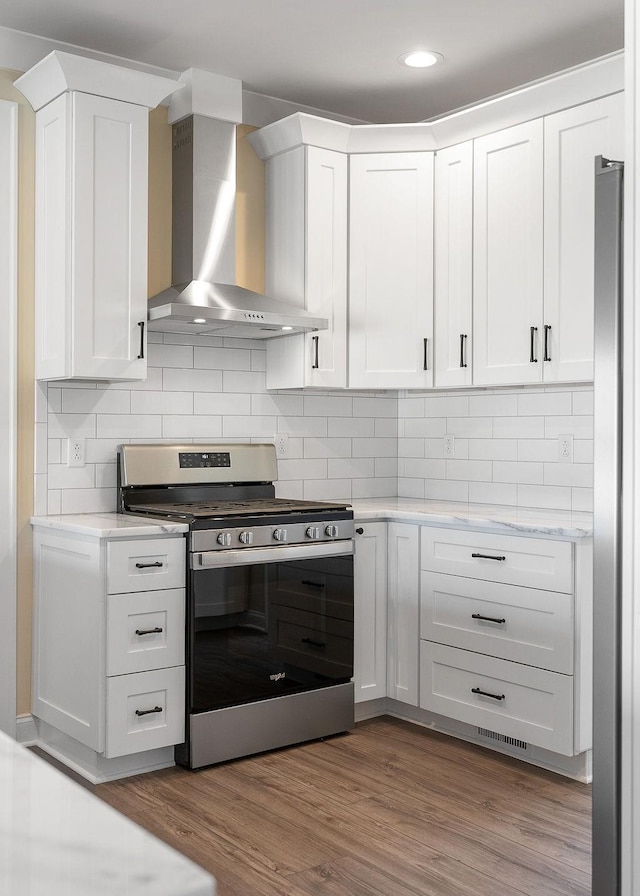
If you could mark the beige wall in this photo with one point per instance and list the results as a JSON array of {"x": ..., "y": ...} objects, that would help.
[{"x": 250, "y": 273}]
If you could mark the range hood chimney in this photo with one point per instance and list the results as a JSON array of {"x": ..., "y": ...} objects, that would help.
[{"x": 204, "y": 299}]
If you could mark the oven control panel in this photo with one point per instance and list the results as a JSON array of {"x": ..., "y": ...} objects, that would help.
[
  {"x": 242, "y": 537},
  {"x": 199, "y": 460}
]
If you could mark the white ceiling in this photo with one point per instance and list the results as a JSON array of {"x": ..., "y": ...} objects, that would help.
[{"x": 340, "y": 56}]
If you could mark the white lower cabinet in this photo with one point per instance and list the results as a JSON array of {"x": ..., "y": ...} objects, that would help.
[
  {"x": 109, "y": 636},
  {"x": 402, "y": 612},
  {"x": 370, "y": 612},
  {"x": 497, "y": 652}
]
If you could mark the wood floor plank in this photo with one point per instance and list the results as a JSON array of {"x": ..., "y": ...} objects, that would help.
[{"x": 389, "y": 809}]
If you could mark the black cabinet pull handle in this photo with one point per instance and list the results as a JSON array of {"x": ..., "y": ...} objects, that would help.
[
  {"x": 487, "y": 557},
  {"x": 488, "y": 618},
  {"x": 313, "y": 584},
  {"x": 487, "y": 694},
  {"x": 148, "y": 565},
  {"x": 148, "y": 631},
  {"x": 313, "y": 643},
  {"x": 547, "y": 330},
  {"x": 463, "y": 346},
  {"x": 141, "y": 325},
  {"x": 316, "y": 362},
  {"x": 146, "y": 712},
  {"x": 425, "y": 356},
  {"x": 532, "y": 332}
]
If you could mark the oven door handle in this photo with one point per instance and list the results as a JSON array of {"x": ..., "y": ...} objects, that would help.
[{"x": 247, "y": 556}]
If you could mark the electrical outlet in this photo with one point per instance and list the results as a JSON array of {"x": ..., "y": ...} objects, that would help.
[
  {"x": 565, "y": 449},
  {"x": 75, "y": 452},
  {"x": 281, "y": 441},
  {"x": 449, "y": 446}
]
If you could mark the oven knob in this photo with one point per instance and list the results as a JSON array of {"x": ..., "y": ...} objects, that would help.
[
  {"x": 331, "y": 531},
  {"x": 280, "y": 534},
  {"x": 246, "y": 537},
  {"x": 224, "y": 538},
  {"x": 313, "y": 532}
]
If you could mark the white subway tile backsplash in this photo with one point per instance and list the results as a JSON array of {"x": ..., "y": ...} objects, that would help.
[{"x": 341, "y": 445}]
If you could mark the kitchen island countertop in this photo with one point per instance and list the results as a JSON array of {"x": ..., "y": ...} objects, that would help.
[
  {"x": 490, "y": 517},
  {"x": 58, "y": 839}
]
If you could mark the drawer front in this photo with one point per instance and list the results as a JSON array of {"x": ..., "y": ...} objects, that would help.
[
  {"x": 512, "y": 559},
  {"x": 525, "y": 625},
  {"x": 148, "y": 564},
  {"x": 528, "y": 704},
  {"x": 144, "y": 711},
  {"x": 145, "y": 630}
]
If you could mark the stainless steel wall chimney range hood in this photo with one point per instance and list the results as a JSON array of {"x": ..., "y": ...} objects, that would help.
[{"x": 203, "y": 299}]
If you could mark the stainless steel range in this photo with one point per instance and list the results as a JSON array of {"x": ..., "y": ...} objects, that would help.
[{"x": 269, "y": 597}]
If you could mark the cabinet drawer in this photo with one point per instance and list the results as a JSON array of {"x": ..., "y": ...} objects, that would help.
[
  {"x": 144, "y": 711},
  {"x": 512, "y": 559},
  {"x": 145, "y": 631},
  {"x": 528, "y": 704},
  {"x": 525, "y": 625},
  {"x": 147, "y": 564}
]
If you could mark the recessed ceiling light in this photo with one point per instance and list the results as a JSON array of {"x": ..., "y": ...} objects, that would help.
[{"x": 420, "y": 58}]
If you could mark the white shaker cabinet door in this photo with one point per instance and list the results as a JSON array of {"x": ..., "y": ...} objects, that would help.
[
  {"x": 391, "y": 271},
  {"x": 572, "y": 139},
  {"x": 508, "y": 256},
  {"x": 370, "y": 612},
  {"x": 403, "y": 601},
  {"x": 306, "y": 264},
  {"x": 453, "y": 265},
  {"x": 91, "y": 238}
]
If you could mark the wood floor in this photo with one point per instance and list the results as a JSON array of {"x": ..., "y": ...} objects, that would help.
[{"x": 390, "y": 809}]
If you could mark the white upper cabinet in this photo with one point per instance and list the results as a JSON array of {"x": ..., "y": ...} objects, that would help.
[
  {"x": 306, "y": 263},
  {"x": 508, "y": 255},
  {"x": 391, "y": 271},
  {"x": 453, "y": 275},
  {"x": 91, "y": 216},
  {"x": 571, "y": 141}
]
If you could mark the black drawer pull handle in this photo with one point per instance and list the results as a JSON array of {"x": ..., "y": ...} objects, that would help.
[
  {"x": 148, "y": 631},
  {"x": 547, "y": 330},
  {"x": 146, "y": 712},
  {"x": 313, "y": 643},
  {"x": 488, "y": 619},
  {"x": 486, "y": 557},
  {"x": 313, "y": 584},
  {"x": 487, "y": 694},
  {"x": 141, "y": 325},
  {"x": 359, "y": 531},
  {"x": 316, "y": 362},
  {"x": 148, "y": 565}
]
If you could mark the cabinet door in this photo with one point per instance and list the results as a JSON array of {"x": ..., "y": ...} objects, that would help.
[
  {"x": 572, "y": 139},
  {"x": 453, "y": 265},
  {"x": 391, "y": 271},
  {"x": 108, "y": 254},
  {"x": 507, "y": 278},
  {"x": 402, "y": 613},
  {"x": 306, "y": 264},
  {"x": 370, "y": 612}
]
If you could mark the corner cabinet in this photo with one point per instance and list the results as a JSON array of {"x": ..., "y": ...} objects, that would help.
[
  {"x": 391, "y": 270},
  {"x": 306, "y": 264},
  {"x": 108, "y": 650},
  {"x": 91, "y": 216}
]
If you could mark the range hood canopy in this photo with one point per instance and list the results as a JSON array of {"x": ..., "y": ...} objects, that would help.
[{"x": 204, "y": 299}]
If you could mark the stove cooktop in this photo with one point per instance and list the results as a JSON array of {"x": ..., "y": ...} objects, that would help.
[{"x": 250, "y": 508}]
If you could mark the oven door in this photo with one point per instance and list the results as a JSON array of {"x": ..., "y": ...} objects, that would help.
[{"x": 268, "y": 622}]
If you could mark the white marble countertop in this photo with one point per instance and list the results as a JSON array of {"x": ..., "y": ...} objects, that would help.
[
  {"x": 527, "y": 520},
  {"x": 58, "y": 839},
  {"x": 109, "y": 525}
]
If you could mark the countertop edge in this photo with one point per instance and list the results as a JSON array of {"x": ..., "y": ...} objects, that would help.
[{"x": 109, "y": 525}]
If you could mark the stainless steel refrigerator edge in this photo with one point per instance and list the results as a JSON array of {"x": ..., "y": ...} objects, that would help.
[{"x": 607, "y": 527}]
